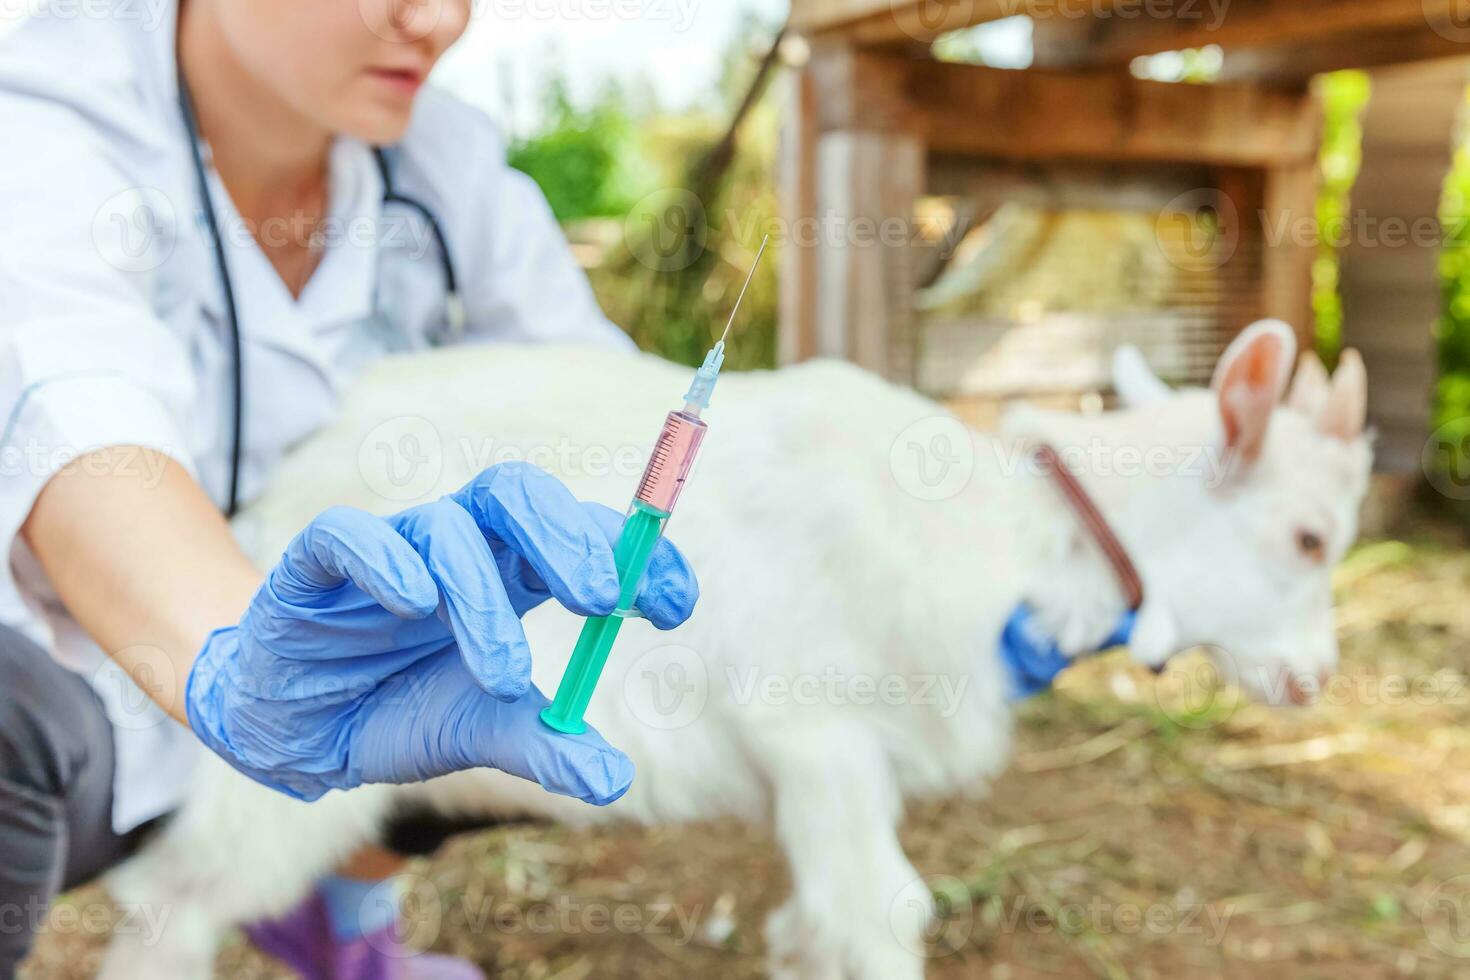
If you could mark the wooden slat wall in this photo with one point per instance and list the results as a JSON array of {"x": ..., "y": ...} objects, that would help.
[
  {"x": 873, "y": 110},
  {"x": 1392, "y": 294},
  {"x": 863, "y": 125}
]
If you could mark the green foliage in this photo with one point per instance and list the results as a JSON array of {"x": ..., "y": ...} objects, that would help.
[
  {"x": 1344, "y": 95},
  {"x": 1452, "y": 333},
  {"x": 1451, "y": 417},
  {"x": 584, "y": 160}
]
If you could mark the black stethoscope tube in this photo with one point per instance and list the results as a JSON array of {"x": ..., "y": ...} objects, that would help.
[{"x": 232, "y": 315}]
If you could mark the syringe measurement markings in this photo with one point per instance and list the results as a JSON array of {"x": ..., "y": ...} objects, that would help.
[{"x": 656, "y": 463}]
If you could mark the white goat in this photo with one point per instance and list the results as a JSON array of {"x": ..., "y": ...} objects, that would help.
[{"x": 859, "y": 551}]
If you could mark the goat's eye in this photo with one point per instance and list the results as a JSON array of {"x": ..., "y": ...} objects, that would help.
[{"x": 1311, "y": 544}]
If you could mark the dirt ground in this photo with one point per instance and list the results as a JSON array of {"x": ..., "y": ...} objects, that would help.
[{"x": 1148, "y": 829}]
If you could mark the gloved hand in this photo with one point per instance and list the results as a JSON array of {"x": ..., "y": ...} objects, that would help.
[{"x": 390, "y": 650}]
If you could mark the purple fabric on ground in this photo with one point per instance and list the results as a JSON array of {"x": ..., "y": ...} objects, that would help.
[{"x": 305, "y": 941}]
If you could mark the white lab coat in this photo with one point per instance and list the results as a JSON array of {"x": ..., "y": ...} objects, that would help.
[{"x": 111, "y": 323}]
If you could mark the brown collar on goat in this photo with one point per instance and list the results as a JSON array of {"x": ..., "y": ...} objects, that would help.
[{"x": 1092, "y": 518}]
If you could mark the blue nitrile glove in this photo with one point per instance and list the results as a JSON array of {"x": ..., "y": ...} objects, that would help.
[
  {"x": 1031, "y": 657},
  {"x": 390, "y": 650}
]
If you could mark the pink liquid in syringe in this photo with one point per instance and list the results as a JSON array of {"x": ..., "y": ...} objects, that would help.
[{"x": 673, "y": 457}]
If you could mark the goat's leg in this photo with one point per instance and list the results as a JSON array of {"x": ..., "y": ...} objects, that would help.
[
  {"x": 182, "y": 948},
  {"x": 858, "y": 909},
  {"x": 235, "y": 853}
]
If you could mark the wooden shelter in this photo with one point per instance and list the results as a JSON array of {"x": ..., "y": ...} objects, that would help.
[{"x": 878, "y": 123}]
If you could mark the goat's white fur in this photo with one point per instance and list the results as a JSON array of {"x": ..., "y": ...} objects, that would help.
[
  {"x": 813, "y": 559},
  {"x": 1134, "y": 381}
]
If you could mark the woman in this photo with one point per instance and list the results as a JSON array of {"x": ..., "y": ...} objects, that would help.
[{"x": 199, "y": 246}]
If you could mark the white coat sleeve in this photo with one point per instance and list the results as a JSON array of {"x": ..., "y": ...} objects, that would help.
[
  {"x": 520, "y": 281},
  {"x": 84, "y": 362}
]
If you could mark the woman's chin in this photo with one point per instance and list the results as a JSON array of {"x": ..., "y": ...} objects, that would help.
[{"x": 378, "y": 124}]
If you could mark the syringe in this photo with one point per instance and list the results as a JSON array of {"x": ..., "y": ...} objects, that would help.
[{"x": 653, "y": 504}]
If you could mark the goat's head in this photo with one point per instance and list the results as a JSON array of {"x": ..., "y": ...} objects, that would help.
[{"x": 1237, "y": 553}]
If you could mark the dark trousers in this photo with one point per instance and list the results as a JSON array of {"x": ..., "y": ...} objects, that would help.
[
  {"x": 55, "y": 790},
  {"x": 56, "y": 766}
]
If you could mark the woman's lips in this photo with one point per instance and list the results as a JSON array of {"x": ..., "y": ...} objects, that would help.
[{"x": 404, "y": 81}]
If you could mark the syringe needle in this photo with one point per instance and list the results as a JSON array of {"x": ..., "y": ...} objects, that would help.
[{"x": 748, "y": 278}]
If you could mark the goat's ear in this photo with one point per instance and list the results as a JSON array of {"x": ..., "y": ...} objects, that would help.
[
  {"x": 1309, "y": 388},
  {"x": 1249, "y": 382},
  {"x": 1134, "y": 381},
  {"x": 1345, "y": 411}
]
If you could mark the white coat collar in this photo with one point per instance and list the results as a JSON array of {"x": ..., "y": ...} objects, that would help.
[{"x": 341, "y": 288}]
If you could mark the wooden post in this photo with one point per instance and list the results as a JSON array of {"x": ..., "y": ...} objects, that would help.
[
  {"x": 796, "y": 336},
  {"x": 1391, "y": 290},
  {"x": 867, "y": 183},
  {"x": 1290, "y": 244},
  {"x": 852, "y": 171},
  {"x": 1276, "y": 206}
]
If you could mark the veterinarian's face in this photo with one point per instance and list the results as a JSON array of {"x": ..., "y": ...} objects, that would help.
[{"x": 351, "y": 66}]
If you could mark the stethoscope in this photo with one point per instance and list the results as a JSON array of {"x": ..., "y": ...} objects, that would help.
[{"x": 454, "y": 304}]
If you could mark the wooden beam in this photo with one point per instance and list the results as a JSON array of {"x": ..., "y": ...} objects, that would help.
[
  {"x": 1296, "y": 63},
  {"x": 1102, "y": 117},
  {"x": 1113, "y": 40},
  {"x": 815, "y": 16},
  {"x": 887, "y": 21},
  {"x": 1284, "y": 37},
  {"x": 1076, "y": 185}
]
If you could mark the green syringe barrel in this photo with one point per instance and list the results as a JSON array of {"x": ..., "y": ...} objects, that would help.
[{"x": 641, "y": 531}]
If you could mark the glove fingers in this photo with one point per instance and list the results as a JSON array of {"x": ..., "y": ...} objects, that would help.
[
  {"x": 347, "y": 545},
  {"x": 669, "y": 589},
  {"x": 539, "y": 519},
  {"x": 512, "y": 738},
  {"x": 485, "y": 625}
]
